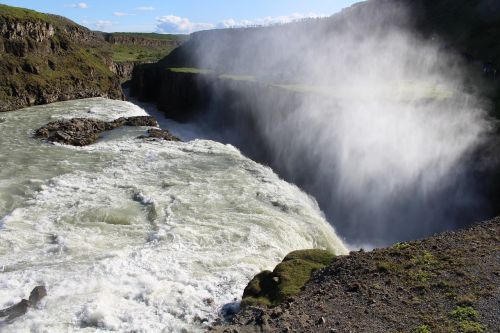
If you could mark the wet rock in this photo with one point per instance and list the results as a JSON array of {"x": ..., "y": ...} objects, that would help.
[
  {"x": 37, "y": 294},
  {"x": 154, "y": 133},
  {"x": 85, "y": 131},
  {"x": 15, "y": 311},
  {"x": 21, "y": 308},
  {"x": 134, "y": 121}
]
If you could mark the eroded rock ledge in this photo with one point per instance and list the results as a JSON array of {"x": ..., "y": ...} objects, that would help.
[{"x": 85, "y": 131}]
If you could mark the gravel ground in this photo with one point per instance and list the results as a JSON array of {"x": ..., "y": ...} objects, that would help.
[{"x": 447, "y": 283}]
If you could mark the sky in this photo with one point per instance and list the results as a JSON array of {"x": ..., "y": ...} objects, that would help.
[{"x": 181, "y": 16}]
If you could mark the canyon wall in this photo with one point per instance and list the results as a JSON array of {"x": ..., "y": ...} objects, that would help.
[{"x": 47, "y": 58}]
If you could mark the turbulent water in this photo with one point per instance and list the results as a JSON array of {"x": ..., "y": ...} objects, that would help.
[{"x": 134, "y": 235}]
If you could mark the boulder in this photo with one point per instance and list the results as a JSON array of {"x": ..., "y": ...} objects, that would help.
[{"x": 271, "y": 288}]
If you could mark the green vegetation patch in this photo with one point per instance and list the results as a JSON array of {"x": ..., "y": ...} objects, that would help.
[
  {"x": 131, "y": 53},
  {"x": 401, "y": 246},
  {"x": 10, "y": 13},
  {"x": 271, "y": 288},
  {"x": 190, "y": 70},
  {"x": 237, "y": 77},
  {"x": 462, "y": 313},
  {"x": 422, "y": 329},
  {"x": 467, "y": 318}
]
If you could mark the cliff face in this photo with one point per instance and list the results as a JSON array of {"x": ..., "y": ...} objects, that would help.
[
  {"x": 46, "y": 58},
  {"x": 124, "y": 69},
  {"x": 149, "y": 40}
]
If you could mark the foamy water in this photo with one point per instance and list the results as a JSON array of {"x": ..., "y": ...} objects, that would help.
[{"x": 134, "y": 235}]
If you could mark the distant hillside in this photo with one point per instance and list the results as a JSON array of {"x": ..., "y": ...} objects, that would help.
[
  {"x": 146, "y": 47},
  {"x": 47, "y": 58}
]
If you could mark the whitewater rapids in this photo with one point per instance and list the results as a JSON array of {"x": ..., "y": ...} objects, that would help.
[{"x": 131, "y": 235}]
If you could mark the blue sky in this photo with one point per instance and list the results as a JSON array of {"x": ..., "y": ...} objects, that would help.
[{"x": 181, "y": 16}]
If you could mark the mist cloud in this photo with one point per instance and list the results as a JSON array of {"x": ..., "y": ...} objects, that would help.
[{"x": 373, "y": 120}]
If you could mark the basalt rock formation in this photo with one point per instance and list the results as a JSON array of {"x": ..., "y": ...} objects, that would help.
[{"x": 47, "y": 58}]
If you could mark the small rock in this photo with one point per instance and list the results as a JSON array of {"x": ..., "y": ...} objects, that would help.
[
  {"x": 37, "y": 294},
  {"x": 16, "y": 310},
  {"x": 154, "y": 133}
]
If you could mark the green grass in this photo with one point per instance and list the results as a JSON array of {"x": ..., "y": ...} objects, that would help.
[
  {"x": 129, "y": 53},
  {"x": 124, "y": 50},
  {"x": 467, "y": 318},
  {"x": 422, "y": 329},
  {"x": 190, "y": 70},
  {"x": 237, "y": 77},
  {"x": 21, "y": 14},
  {"x": 401, "y": 246},
  {"x": 462, "y": 313}
]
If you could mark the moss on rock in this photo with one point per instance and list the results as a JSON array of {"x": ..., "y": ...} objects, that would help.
[{"x": 271, "y": 288}]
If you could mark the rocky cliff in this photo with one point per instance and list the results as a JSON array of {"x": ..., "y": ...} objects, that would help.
[
  {"x": 124, "y": 69},
  {"x": 46, "y": 58},
  {"x": 144, "y": 39}
]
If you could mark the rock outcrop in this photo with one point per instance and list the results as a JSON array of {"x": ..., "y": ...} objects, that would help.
[
  {"x": 124, "y": 69},
  {"x": 85, "y": 131},
  {"x": 46, "y": 58},
  {"x": 271, "y": 288}
]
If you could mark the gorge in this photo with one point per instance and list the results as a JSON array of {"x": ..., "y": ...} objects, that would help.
[{"x": 281, "y": 158}]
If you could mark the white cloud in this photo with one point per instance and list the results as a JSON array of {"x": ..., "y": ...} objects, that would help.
[
  {"x": 268, "y": 20},
  {"x": 81, "y": 5},
  {"x": 122, "y": 14},
  {"x": 145, "y": 8},
  {"x": 176, "y": 24},
  {"x": 103, "y": 24}
]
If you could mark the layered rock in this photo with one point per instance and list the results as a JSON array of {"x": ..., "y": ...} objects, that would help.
[{"x": 46, "y": 58}]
